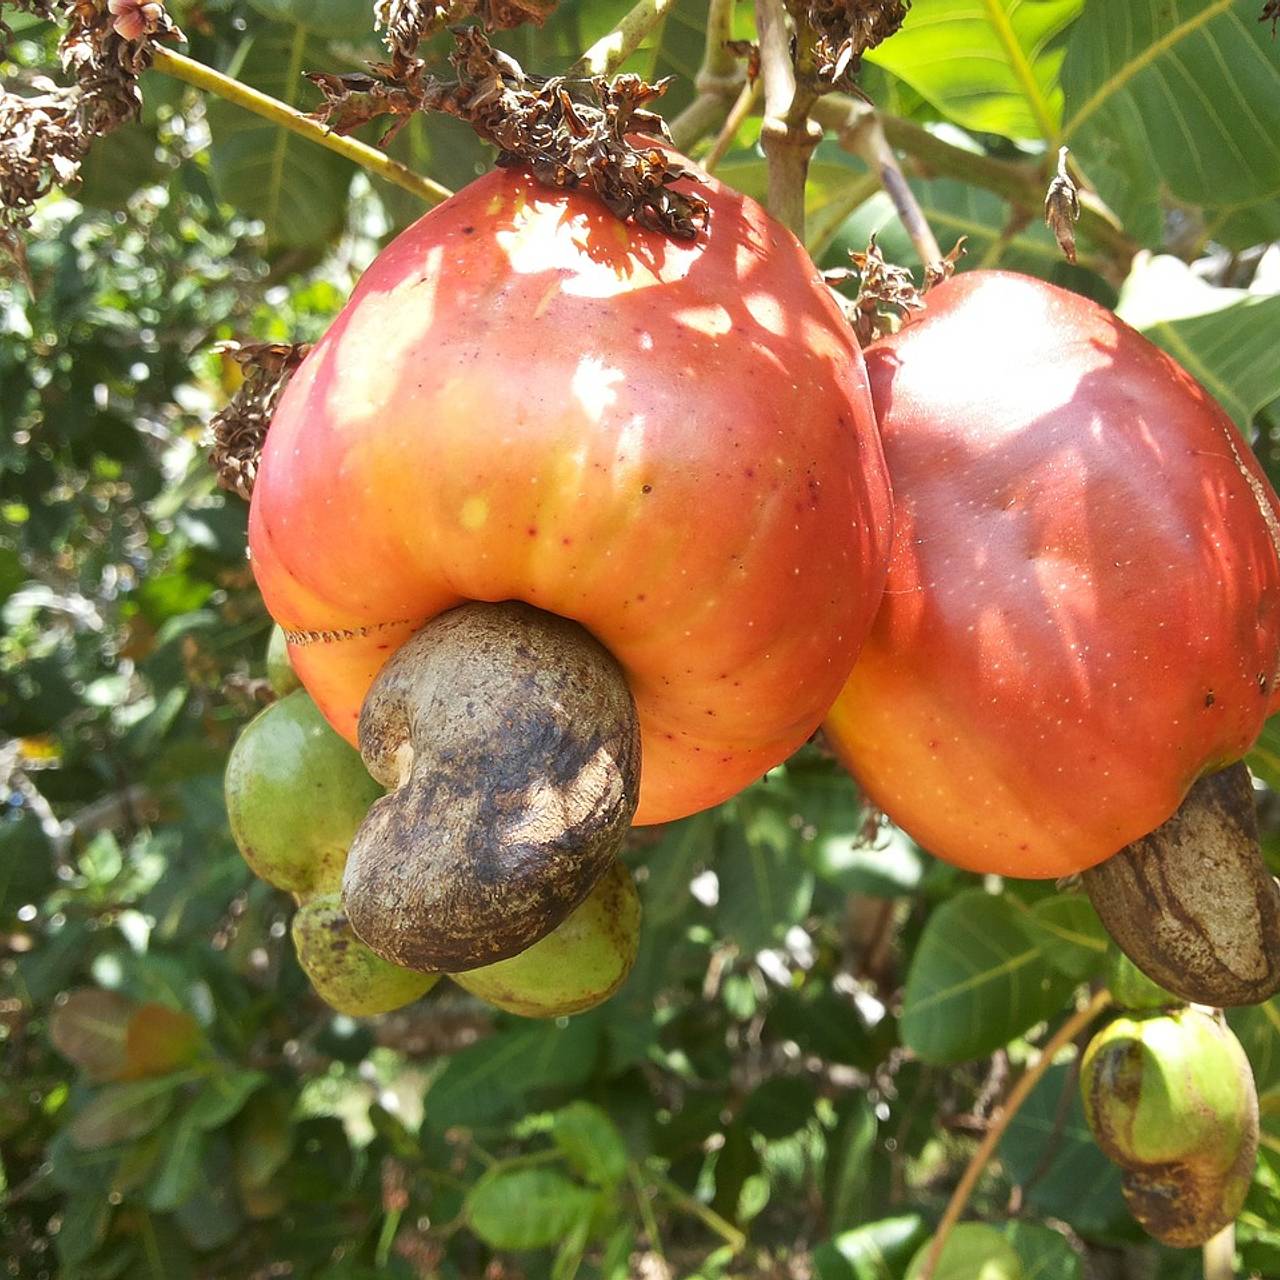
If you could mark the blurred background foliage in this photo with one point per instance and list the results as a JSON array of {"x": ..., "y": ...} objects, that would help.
[{"x": 822, "y": 1017}]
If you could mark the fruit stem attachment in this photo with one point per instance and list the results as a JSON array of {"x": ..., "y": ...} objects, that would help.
[
  {"x": 191, "y": 72},
  {"x": 1018, "y": 1095},
  {"x": 788, "y": 135},
  {"x": 511, "y": 747},
  {"x": 1193, "y": 904}
]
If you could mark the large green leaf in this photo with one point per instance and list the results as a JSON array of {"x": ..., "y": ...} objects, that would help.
[
  {"x": 1176, "y": 95},
  {"x": 991, "y": 65},
  {"x": 297, "y": 188},
  {"x": 976, "y": 981},
  {"x": 876, "y": 1251},
  {"x": 527, "y": 1208},
  {"x": 1226, "y": 338}
]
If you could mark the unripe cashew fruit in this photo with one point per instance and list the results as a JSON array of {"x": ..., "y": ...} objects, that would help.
[
  {"x": 669, "y": 444},
  {"x": 1171, "y": 1099},
  {"x": 1131, "y": 989},
  {"x": 280, "y": 673},
  {"x": 346, "y": 974},
  {"x": 579, "y": 964},
  {"x": 296, "y": 793}
]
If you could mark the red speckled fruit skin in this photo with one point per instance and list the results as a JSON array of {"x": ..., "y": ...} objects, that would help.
[
  {"x": 1082, "y": 610},
  {"x": 671, "y": 442}
]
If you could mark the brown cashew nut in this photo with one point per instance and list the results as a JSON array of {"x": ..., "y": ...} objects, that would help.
[
  {"x": 509, "y": 742},
  {"x": 1193, "y": 904}
]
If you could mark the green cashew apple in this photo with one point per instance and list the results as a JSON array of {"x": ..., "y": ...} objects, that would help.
[
  {"x": 280, "y": 673},
  {"x": 1131, "y": 989},
  {"x": 1170, "y": 1098},
  {"x": 345, "y": 973},
  {"x": 296, "y": 792},
  {"x": 580, "y": 963}
]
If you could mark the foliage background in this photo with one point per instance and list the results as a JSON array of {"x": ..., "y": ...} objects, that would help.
[{"x": 822, "y": 1016}]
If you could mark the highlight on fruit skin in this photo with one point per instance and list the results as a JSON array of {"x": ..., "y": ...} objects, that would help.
[
  {"x": 668, "y": 444},
  {"x": 1171, "y": 1099},
  {"x": 296, "y": 794},
  {"x": 1083, "y": 607},
  {"x": 346, "y": 974},
  {"x": 578, "y": 965}
]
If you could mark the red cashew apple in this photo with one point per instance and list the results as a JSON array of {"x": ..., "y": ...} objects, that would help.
[
  {"x": 669, "y": 444},
  {"x": 1082, "y": 614}
]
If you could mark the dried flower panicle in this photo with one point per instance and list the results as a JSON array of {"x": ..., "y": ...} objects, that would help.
[
  {"x": 45, "y": 136},
  {"x": 240, "y": 428},
  {"x": 546, "y": 125},
  {"x": 887, "y": 293},
  {"x": 846, "y": 29},
  {"x": 1271, "y": 14},
  {"x": 408, "y": 23}
]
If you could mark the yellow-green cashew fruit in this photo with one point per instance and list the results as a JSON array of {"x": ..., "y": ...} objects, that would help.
[
  {"x": 280, "y": 673},
  {"x": 580, "y": 963},
  {"x": 1132, "y": 989},
  {"x": 1170, "y": 1098},
  {"x": 296, "y": 792},
  {"x": 348, "y": 976}
]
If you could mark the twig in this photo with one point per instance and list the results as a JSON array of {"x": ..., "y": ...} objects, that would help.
[
  {"x": 718, "y": 81},
  {"x": 615, "y": 47},
  {"x": 1020, "y": 184},
  {"x": 788, "y": 136},
  {"x": 1219, "y": 1254},
  {"x": 747, "y": 99},
  {"x": 707, "y": 1215},
  {"x": 242, "y": 95},
  {"x": 1000, "y": 1122}
]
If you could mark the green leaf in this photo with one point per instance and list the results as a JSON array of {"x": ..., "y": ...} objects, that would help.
[
  {"x": 1264, "y": 759},
  {"x": 765, "y": 883},
  {"x": 162, "y": 1252},
  {"x": 486, "y": 1082},
  {"x": 990, "y": 65},
  {"x": 671, "y": 865},
  {"x": 1225, "y": 338},
  {"x": 848, "y": 1173},
  {"x": 324, "y": 17},
  {"x": 973, "y": 1251},
  {"x": 1049, "y": 1149},
  {"x": 1258, "y": 1029},
  {"x": 297, "y": 188},
  {"x": 221, "y": 1096},
  {"x": 1068, "y": 931},
  {"x": 591, "y": 1144},
  {"x": 177, "y": 1170},
  {"x": 159, "y": 1040},
  {"x": 527, "y": 1208},
  {"x": 876, "y": 1251},
  {"x": 1180, "y": 96},
  {"x": 1045, "y": 1253},
  {"x": 122, "y": 1112},
  {"x": 976, "y": 981},
  {"x": 26, "y": 863},
  {"x": 84, "y": 1227}
]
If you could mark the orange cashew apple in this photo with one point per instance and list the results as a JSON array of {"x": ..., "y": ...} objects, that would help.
[{"x": 665, "y": 451}]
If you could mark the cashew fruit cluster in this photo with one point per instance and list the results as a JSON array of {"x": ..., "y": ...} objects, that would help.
[
  {"x": 1170, "y": 1098},
  {"x": 296, "y": 794}
]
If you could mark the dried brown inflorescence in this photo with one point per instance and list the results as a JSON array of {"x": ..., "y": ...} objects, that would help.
[
  {"x": 546, "y": 125},
  {"x": 45, "y": 137},
  {"x": 1271, "y": 14},
  {"x": 887, "y": 293},
  {"x": 1062, "y": 207},
  {"x": 240, "y": 428},
  {"x": 846, "y": 29},
  {"x": 408, "y": 23}
]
